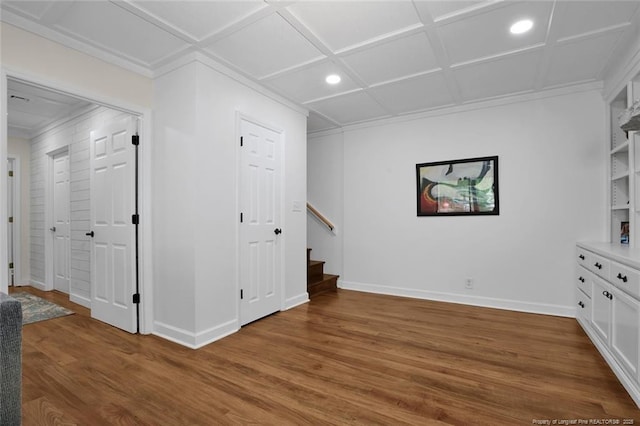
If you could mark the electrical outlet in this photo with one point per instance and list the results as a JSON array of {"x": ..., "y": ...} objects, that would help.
[{"x": 468, "y": 283}]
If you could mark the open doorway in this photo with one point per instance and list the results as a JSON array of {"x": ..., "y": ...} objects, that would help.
[{"x": 60, "y": 130}]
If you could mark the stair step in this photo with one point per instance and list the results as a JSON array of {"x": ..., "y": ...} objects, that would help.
[
  {"x": 315, "y": 271},
  {"x": 329, "y": 283}
]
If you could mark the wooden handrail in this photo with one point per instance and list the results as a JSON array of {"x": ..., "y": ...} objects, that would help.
[{"x": 320, "y": 216}]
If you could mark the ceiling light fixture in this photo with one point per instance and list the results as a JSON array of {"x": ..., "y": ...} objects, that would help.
[
  {"x": 333, "y": 79},
  {"x": 521, "y": 26}
]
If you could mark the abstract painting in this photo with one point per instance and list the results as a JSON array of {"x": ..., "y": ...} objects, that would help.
[{"x": 459, "y": 187}]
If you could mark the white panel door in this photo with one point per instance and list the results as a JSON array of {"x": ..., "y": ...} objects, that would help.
[
  {"x": 61, "y": 222},
  {"x": 260, "y": 232},
  {"x": 113, "y": 241}
]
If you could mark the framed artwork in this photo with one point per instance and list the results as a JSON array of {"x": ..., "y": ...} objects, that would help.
[
  {"x": 624, "y": 232},
  {"x": 459, "y": 187}
]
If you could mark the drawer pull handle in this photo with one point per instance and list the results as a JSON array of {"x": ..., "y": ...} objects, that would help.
[
  {"x": 607, "y": 295},
  {"x": 598, "y": 265},
  {"x": 622, "y": 277},
  {"x": 581, "y": 279},
  {"x": 581, "y": 305},
  {"x": 581, "y": 257}
]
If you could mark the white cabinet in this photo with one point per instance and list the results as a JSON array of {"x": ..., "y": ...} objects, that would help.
[
  {"x": 601, "y": 309},
  {"x": 608, "y": 307},
  {"x": 624, "y": 337}
]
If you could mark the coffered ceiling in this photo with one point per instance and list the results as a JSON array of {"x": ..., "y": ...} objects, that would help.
[{"x": 394, "y": 57}]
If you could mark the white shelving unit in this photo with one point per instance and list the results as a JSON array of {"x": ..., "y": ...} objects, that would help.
[{"x": 624, "y": 171}]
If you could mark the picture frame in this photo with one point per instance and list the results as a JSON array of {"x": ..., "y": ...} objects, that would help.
[
  {"x": 458, "y": 187},
  {"x": 624, "y": 232}
]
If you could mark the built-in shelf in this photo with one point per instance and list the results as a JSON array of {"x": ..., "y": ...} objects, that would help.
[
  {"x": 624, "y": 172},
  {"x": 624, "y": 147},
  {"x": 620, "y": 176}
]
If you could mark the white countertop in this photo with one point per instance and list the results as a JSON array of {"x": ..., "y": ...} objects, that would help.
[{"x": 621, "y": 253}]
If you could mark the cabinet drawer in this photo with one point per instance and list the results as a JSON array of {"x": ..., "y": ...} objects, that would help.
[
  {"x": 583, "y": 310},
  {"x": 583, "y": 257},
  {"x": 626, "y": 279},
  {"x": 582, "y": 280},
  {"x": 599, "y": 265}
]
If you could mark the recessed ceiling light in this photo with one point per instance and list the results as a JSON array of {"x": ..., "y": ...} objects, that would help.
[
  {"x": 333, "y": 79},
  {"x": 522, "y": 26}
]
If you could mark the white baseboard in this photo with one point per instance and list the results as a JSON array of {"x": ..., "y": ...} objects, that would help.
[
  {"x": 194, "y": 340},
  {"x": 486, "y": 302},
  {"x": 38, "y": 285},
  {"x": 296, "y": 301},
  {"x": 80, "y": 300}
]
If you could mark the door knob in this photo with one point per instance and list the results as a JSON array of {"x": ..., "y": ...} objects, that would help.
[
  {"x": 90, "y": 234},
  {"x": 52, "y": 229},
  {"x": 277, "y": 231}
]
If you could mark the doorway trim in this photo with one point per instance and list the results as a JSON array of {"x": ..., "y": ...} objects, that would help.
[{"x": 144, "y": 114}]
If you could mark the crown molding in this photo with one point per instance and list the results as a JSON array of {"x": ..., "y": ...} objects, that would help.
[{"x": 471, "y": 106}]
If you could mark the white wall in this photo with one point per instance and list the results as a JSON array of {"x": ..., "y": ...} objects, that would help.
[
  {"x": 552, "y": 193},
  {"x": 21, "y": 149},
  {"x": 196, "y": 222},
  {"x": 74, "y": 135}
]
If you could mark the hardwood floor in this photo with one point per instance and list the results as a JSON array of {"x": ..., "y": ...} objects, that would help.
[{"x": 344, "y": 358}]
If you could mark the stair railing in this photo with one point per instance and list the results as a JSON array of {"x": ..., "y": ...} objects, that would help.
[{"x": 320, "y": 216}]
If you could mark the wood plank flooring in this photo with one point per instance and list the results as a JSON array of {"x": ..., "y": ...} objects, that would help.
[{"x": 344, "y": 358}]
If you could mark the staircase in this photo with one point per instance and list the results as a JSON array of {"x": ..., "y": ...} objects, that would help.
[{"x": 317, "y": 281}]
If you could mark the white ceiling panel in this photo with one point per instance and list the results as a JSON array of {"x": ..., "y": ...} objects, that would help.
[
  {"x": 579, "y": 17},
  {"x": 394, "y": 56},
  {"x": 341, "y": 24},
  {"x": 107, "y": 25},
  {"x": 317, "y": 123},
  {"x": 309, "y": 83},
  {"x": 591, "y": 53},
  {"x": 349, "y": 108},
  {"x": 498, "y": 77},
  {"x": 200, "y": 19},
  {"x": 34, "y": 9},
  {"x": 394, "y": 59},
  {"x": 265, "y": 47},
  {"x": 487, "y": 33},
  {"x": 32, "y": 107},
  {"x": 441, "y": 9},
  {"x": 415, "y": 94}
]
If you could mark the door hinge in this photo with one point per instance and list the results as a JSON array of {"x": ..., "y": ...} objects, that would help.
[
  {"x": 135, "y": 219},
  {"x": 10, "y": 173},
  {"x": 241, "y": 217},
  {"x": 135, "y": 140},
  {"x": 136, "y": 298},
  {"x": 11, "y": 219},
  {"x": 241, "y": 141},
  {"x": 11, "y": 265},
  {"x": 241, "y": 294}
]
